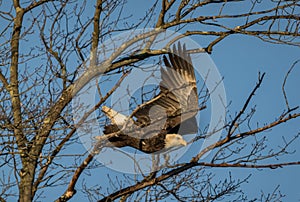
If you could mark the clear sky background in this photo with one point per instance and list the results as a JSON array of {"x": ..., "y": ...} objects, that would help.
[{"x": 239, "y": 59}]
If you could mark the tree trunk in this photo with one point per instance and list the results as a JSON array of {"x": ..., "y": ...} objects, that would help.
[{"x": 27, "y": 174}]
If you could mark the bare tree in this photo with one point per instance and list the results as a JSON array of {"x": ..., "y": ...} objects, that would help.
[{"x": 50, "y": 51}]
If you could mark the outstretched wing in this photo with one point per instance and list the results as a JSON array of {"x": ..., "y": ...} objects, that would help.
[{"x": 177, "y": 101}]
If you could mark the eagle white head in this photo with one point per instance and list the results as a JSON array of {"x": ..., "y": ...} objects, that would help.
[{"x": 174, "y": 140}]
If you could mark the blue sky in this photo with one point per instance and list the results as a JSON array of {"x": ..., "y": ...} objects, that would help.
[{"x": 239, "y": 59}]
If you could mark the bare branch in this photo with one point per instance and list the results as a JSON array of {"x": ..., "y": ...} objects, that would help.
[
  {"x": 284, "y": 82},
  {"x": 233, "y": 126}
]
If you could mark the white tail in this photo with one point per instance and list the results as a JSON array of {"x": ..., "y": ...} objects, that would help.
[{"x": 115, "y": 117}]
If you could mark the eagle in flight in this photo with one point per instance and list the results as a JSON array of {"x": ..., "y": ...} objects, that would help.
[{"x": 158, "y": 124}]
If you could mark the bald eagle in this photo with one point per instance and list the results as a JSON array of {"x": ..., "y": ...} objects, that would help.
[{"x": 158, "y": 125}]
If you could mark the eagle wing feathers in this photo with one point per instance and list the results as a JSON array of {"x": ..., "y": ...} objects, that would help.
[
  {"x": 159, "y": 120},
  {"x": 178, "y": 96}
]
